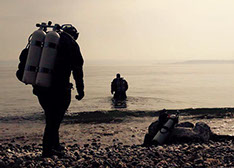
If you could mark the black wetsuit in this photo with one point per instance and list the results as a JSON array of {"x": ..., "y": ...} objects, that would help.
[
  {"x": 119, "y": 86},
  {"x": 155, "y": 127},
  {"x": 56, "y": 99}
]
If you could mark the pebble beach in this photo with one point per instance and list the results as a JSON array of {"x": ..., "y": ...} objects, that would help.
[
  {"x": 114, "y": 139},
  {"x": 211, "y": 154}
]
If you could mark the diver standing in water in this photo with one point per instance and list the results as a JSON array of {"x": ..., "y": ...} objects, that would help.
[
  {"x": 119, "y": 86},
  {"x": 51, "y": 84}
]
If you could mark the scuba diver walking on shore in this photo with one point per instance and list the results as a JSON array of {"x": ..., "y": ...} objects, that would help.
[
  {"x": 46, "y": 64},
  {"x": 119, "y": 86}
]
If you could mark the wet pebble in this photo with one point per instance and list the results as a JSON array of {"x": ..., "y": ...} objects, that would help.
[{"x": 86, "y": 145}]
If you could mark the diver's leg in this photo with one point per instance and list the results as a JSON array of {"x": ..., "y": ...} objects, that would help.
[
  {"x": 64, "y": 102},
  {"x": 45, "y": 102}
]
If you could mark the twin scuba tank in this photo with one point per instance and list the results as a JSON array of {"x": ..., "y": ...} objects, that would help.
[
  {"x": 41, "y": 56},
  {"x": 120, "y": 84},
  {"x": 164, "y": 133}
]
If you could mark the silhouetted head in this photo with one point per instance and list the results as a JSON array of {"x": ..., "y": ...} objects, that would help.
[
  {"x": 68, "y": 28},
  {"x": 117, "y": 75},
  {"x": 163, "y": 116}
]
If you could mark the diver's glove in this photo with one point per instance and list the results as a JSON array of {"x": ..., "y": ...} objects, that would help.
[{"x": 80, "y": 95}]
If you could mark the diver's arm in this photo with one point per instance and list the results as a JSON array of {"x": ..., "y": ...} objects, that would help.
[
  {"x": 78, "y": 77},
  {"x": 126, "y": 85},
  {"x": 77, "y": 71},
  {"x": 113, "y": 86}
]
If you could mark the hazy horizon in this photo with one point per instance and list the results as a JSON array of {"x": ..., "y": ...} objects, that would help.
[
  {"x": 106, "y": 62},
  {"x": 127, "y": 29}
]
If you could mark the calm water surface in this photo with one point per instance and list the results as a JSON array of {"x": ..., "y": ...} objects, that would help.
[{"x": 151, "y": 87}]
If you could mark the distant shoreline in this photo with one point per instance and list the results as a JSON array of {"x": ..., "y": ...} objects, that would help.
[{"x": 207, "y": 62}]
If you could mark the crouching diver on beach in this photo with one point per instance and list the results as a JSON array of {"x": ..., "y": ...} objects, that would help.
[
  {"x": 119, "y": 86},
  {"x": 51, "y": 84},
  {"x": 160, "y": 130}
]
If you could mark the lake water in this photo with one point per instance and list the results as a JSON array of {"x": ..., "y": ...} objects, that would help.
[{"x": 151, "y": 87}]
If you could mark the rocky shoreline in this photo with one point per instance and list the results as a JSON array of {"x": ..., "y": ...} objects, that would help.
[
  {"x": 114, "y": 138},
  {"x": 187, "y": 155}
]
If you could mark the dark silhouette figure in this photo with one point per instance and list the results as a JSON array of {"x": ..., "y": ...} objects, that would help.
[
  {"x": 56, "y": 99},
  {"x": 119, "y": 86},
  {"x": 155, "y": 127}
]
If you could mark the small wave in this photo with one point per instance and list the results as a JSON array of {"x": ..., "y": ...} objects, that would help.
[
  {"x": 106, "y": 116},
  {"x": 119, "y": 115},
  {"x": 23, "y": 118}
]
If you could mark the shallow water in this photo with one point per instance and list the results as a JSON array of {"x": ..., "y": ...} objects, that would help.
[{"x": 151, "y": 87}]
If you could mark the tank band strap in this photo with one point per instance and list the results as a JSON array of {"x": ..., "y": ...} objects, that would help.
[
  {"x": 45, "y": 70},
  {"x": 166, "y": 130},
  {"x": 50, "y": 45},
  {"x": 30, "y": 68},
  {"x": 36, "y": 43}
]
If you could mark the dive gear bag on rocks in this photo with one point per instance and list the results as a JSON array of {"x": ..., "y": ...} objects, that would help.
[
  {"x": 160, "y": 130},
  {"x": 163, "y": 134}
]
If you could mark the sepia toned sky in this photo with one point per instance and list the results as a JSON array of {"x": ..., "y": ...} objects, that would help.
[{"x": 127, "y": 29}]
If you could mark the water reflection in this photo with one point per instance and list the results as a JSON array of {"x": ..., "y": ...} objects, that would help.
[{"x": 119, "y": 103}]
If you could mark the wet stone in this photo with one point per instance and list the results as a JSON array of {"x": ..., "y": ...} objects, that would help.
[
  {"x": 2, "y": 164},
  {"x": 86, "y": 145}
]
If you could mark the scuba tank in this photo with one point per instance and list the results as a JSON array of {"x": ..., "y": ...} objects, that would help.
[
  {"x": 48, "y": 56},
  {"x": 34, "y": 55},
  {"x": 165, "y": 131},
  {"x": 123, "y": 85},
  {"x": 118, "y": 84}
]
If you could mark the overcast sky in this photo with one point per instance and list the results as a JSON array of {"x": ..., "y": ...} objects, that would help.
[{"x": 127, "y": 29}]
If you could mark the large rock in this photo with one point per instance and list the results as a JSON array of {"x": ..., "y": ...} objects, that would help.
[{"x": 200, "y": 133}]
